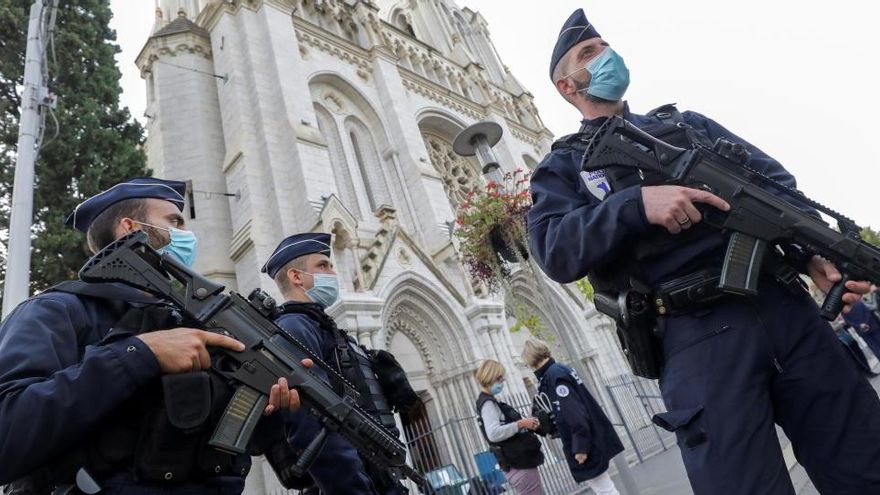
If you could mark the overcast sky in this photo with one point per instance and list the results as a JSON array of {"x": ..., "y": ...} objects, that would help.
[{"x": 797, "y": 79}]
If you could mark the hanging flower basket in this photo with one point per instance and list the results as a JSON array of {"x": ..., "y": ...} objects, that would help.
[
  {"x": 511, "y": 253},
  {"x": 491, "y": 228}
]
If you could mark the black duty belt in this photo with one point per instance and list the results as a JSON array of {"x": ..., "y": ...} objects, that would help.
[{"x": 700, "y": 289}]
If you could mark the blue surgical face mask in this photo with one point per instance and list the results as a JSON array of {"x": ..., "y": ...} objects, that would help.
[
  {"x": 325, "y": 292},
  {"x": 609, "y": 76},
  {"x": 496, "y": 388},
  {"x": 182, "y": 245}
]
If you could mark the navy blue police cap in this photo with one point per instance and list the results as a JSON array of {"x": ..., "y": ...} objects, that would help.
[
  {"x": 576, "y": 29},
  {"x": 295, "y": 246},
  {"x": 139, "y": 187}
]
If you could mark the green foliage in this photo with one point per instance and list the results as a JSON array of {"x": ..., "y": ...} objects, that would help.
[
  {"x": 530, "y": 321},
  {"x": 585, "y": 287},
  {"x": 98, "y": 143},
  {"x": 871, "y": 236},
  {"x": 498, "y": 208}
]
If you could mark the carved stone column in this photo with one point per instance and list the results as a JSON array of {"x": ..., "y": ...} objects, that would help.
[
  {"x": 487, "y": 320},
  {"x": 361, "y": 315}
]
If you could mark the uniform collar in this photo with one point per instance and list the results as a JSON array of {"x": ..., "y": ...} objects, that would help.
[
  {"x": 593, "y": 123},
  {"x": 543, "y": 369}
]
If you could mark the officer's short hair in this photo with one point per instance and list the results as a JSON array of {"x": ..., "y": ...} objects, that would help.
[
  {"x": 559, "y": 70},
  {"x": 281, "y": 278},
  {"x": 489, "y": 372},
  {"x": 101, "y": 232},
  {"x": 535, "y": 351}
]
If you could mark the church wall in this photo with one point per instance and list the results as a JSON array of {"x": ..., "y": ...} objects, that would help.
[
  {"x": 184, "y": 105},
  {"x": 402, "y": 279}
]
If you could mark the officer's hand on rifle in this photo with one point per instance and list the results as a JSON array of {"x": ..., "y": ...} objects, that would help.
[
  {"x": 183, "y": 350},
  {"x": 673, "y": 207},
  {"x": 283, "y": 397},
  {"x": 825, "y": 275}
]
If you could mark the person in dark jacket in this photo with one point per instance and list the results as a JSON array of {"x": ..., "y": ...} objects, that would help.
[
  {"x": 510, "y": 436},
  {"x": 841, "y": 329},
  {"x": 82, "y": 375},
  {"x": 634, "y": 234},
  {"x": 865, "y": 321},
  {"x": 588, "y": 438},
  {"x": 303, "y": 270}
]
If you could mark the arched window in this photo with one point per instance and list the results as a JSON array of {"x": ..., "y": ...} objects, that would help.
[
  {"x": 356, "y": 140},
  {"x": 344, "y": 184},
  {"x": 359, "y": 158},
  {"x": 368, "y": 163},
  {"x": 460, "y": 175},
  {"x": 400, "y": 21}
]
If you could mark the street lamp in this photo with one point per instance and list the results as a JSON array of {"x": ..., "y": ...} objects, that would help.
[{"x": 479, "y": 139}]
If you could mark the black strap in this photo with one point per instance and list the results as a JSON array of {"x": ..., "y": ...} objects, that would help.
[
  {"x": 113, "y": 292},
  {"x": 316, "y": 313},
  {"x": 700, "y": 288},
  {"x": 345, "y": 362}
]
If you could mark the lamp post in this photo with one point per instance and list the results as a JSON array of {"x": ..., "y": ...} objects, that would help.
[
  {"x": 478, "y": 140},
  {"x": 34, "y": 96}
]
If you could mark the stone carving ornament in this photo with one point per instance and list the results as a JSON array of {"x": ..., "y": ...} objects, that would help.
[{"x": 459, "y": 175}]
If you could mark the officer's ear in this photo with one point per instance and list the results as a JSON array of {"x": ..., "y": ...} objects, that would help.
[
  {"x": 566, "y": 87},
  {"x": 126, "y": 226},
  {"x": 294, "y": 277}
]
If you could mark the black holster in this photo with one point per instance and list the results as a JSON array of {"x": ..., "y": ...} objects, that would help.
[{"x": 638, "y": 330}]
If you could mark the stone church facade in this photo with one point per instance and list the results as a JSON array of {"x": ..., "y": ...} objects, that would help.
[{"x": 338, "y": 116}]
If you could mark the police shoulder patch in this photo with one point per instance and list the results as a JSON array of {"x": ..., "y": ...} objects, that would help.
[
  {"x": 596, "y": 183},
  {"x": 562, "y": 391}
]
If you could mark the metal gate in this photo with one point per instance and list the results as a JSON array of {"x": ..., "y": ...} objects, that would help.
[
  {"x": 634, "y": 401},
  {"x": 458, "y": 441}
]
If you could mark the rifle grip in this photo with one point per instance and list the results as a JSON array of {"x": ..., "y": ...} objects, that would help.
[
  {"x": 309, "y": 454},
  {"x": 237, "y": 424},
  {"x": 833, "y": 303}
]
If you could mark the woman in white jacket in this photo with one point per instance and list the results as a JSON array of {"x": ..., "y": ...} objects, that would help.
[{"x": 510, "y": 436}]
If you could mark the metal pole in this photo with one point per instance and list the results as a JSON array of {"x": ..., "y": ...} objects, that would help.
[
  {"x": 18, "y": 259},
  {"x": 626, "y": 477},
  {"x": 623, "y": 470}
]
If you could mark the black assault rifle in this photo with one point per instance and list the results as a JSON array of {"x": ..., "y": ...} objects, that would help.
[
  {"x": 267, "y": 356},
  {"x": 762, "y": 212}
]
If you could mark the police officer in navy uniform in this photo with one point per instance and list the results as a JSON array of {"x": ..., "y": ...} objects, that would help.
[
  {"x": 733, "y": 365},
  {"x": 86, "y": 372},
  {"x": 304, "y": 273},
  {"x": 588, "y": 438},
  {"x": 865, "y": 321}
]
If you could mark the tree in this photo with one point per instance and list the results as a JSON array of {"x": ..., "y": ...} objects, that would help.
[
  {"x": 97, "y": 145},
  {"x": 871, "y": 236}
]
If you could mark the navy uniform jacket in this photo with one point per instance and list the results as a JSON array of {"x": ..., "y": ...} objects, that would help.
[
  {"x": 61, "y": 375},
  {"x": 572, "y": 232},
  {"x": 583, "y": 426},
  {"x": 338, "y": 469},
  {"x": 863, "y": 319}
]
